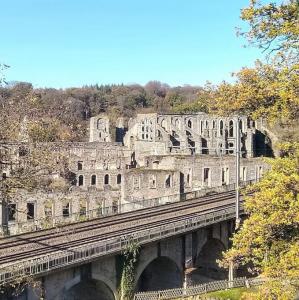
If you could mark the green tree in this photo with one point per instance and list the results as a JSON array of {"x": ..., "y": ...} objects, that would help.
[
  {"x": 273, "y": 27},
  {"x": 269, "y": 239}
]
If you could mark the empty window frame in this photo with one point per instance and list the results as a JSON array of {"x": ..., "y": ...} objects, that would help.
[
  {"x": 168, "y": 181},
  {"x": 231, "y": 128},
  {"x": 11, "y": 212},
  {"x": 80, "y": 165},
  {"x": 66, "y": 209},
  {"x": 118, "y": 179},
  {"x": 206, "y": 176},
  {"x": 80, "y": 180},
  {"x": 221, "y": 127},
  {"x": 225, "y": 176},
  {"x": 93, "y": 180},
  {"x": 243, "y": 174},
  {"x": 153, "y": 182},
  {"x": 30, "y": 211},
  {"x": 106, "y": 179}
]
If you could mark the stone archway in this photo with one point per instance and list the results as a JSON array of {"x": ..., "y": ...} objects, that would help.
[
  {"x": 89, "y": 289},
  {"x": 160, "y": 274},
  {"x": 206, "y": 262}
]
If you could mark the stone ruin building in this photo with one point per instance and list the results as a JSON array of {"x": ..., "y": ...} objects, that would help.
[{"x": 160, "y": 156}]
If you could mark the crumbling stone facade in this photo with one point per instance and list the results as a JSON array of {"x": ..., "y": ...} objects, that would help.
[{"x": 161, "y": 156}]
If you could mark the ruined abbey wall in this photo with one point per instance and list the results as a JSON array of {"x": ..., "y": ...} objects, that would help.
[{"x": 162, "y": 156}]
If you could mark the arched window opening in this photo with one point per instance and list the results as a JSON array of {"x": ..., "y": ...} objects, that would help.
[
  {"x": 241, "y": 126},
  {"x": 231, "y": 128},
  {"x": 118, "y": 179},
  {"x": 168, "y": 182},
  {"x": 81, "y": 180},
  {"x": 221, "y": 127},
  {"x": 106, "y": 179},
  {"x": 189, "y": 124},
  {"x": 80, "y": 165},
  {"x": 214, "y": 124},
  {"x": 93, "y": 179}
]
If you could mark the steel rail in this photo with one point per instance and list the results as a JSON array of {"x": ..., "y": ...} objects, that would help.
[
  {"x": 128, "y": 220},
  {"x": 115, "y": 219},
  {"x": 85, "y": 253}
]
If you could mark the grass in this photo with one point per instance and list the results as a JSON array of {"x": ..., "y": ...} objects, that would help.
[{"x": 230, "y": 294}]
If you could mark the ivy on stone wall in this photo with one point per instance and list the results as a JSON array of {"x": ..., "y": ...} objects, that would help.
[{"x": 126, "y": 264}]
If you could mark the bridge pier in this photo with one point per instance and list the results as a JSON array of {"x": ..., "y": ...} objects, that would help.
[{"x": 184, "y": 259}]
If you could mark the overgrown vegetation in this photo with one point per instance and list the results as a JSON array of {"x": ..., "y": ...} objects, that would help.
[{"x": 126, "y": 267}]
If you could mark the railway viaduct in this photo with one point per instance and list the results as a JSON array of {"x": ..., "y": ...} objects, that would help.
[
  {"x": 174, "y": 239},
  {"x": 161, "y": 265}
]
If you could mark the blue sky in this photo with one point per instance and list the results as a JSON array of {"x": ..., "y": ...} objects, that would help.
[{"x": 64, "y": 43}]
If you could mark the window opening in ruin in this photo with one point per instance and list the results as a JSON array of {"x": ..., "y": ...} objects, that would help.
[
  {"x": 201, "y": 127},
  {"x": 243, "y": 174},
  {"x": 66, "y": 210},
  {"x": 241, "y": 126},
  {"x": 221, "y": 127},
  {"x": 142, "y": 128},
  {"x": 225, "y": 176},
  {"x": 30, "y": 211},
  {"x": 11, "y": 212},
  {"x": 142, "y": 136},
  {"x": 4, "y": 176},
  {"x": 93, "y": 179},
  {"x": 189, "y": 123},
  {"x": 168, "y": 181},
  {"x": 214, "y": 124},
  {"x": 106, "y": 179},
  {"x": 23, "y": 151},
  {"x": 80, "y": 165},
  {"x": 81, "y": 180},
  {"x": 118, "y": 179},
  {"x": 206, "y": 176},
  {"x": 207, "y": 124},
  {"x": 204, "y": 145},
  {"x": 115, "y": 206},
  {"x": 231, "y": 128},
  {"x": 152, "y": 182}
]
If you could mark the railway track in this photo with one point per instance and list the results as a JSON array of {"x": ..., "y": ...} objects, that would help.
[
  {"x": 27, "y": 246},
  {"x": 107, "y": 220}
]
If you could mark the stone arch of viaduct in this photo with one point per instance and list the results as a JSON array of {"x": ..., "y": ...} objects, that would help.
[{"x": 198, "y": 249}]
